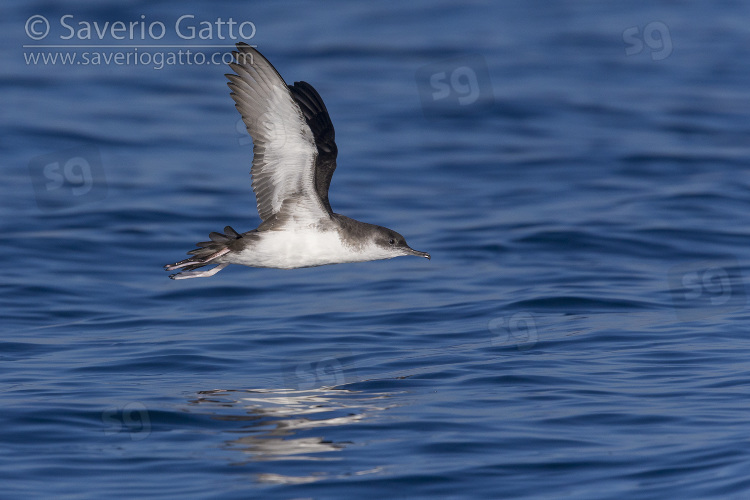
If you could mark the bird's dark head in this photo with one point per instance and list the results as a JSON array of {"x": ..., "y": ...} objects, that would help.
[{"x": 393, "y": 244}]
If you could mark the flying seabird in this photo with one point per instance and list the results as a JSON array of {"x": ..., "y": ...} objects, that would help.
[{"x": 294, "y": 157}]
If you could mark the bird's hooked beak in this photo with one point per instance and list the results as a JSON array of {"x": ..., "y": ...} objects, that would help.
[{"x": 411, "y": 251}]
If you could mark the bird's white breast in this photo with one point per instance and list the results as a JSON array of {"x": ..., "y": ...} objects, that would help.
[{"x": 300, "y": 248}]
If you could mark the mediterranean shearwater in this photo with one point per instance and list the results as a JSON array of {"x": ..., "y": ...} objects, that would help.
[{"x": 294, "y": 157}]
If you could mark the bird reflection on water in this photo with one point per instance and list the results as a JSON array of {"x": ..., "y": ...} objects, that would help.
[{"x": 277, "y": 424}]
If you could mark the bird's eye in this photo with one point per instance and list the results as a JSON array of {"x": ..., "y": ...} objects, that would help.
[{"x": 392, "y": 241}]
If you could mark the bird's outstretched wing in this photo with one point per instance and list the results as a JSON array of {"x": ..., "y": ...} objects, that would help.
[
  {"x": 284, "y": 150},
  {"x": 316, "y": 115}
]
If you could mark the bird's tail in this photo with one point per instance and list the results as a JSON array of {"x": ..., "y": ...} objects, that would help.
[{"x": 207, "y": 253}]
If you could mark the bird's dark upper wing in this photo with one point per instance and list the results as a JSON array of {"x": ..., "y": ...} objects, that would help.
[{"x": 316, "y": 115}]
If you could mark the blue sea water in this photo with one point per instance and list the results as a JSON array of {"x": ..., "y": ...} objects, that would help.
[{"x": 578, "y": 171}]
